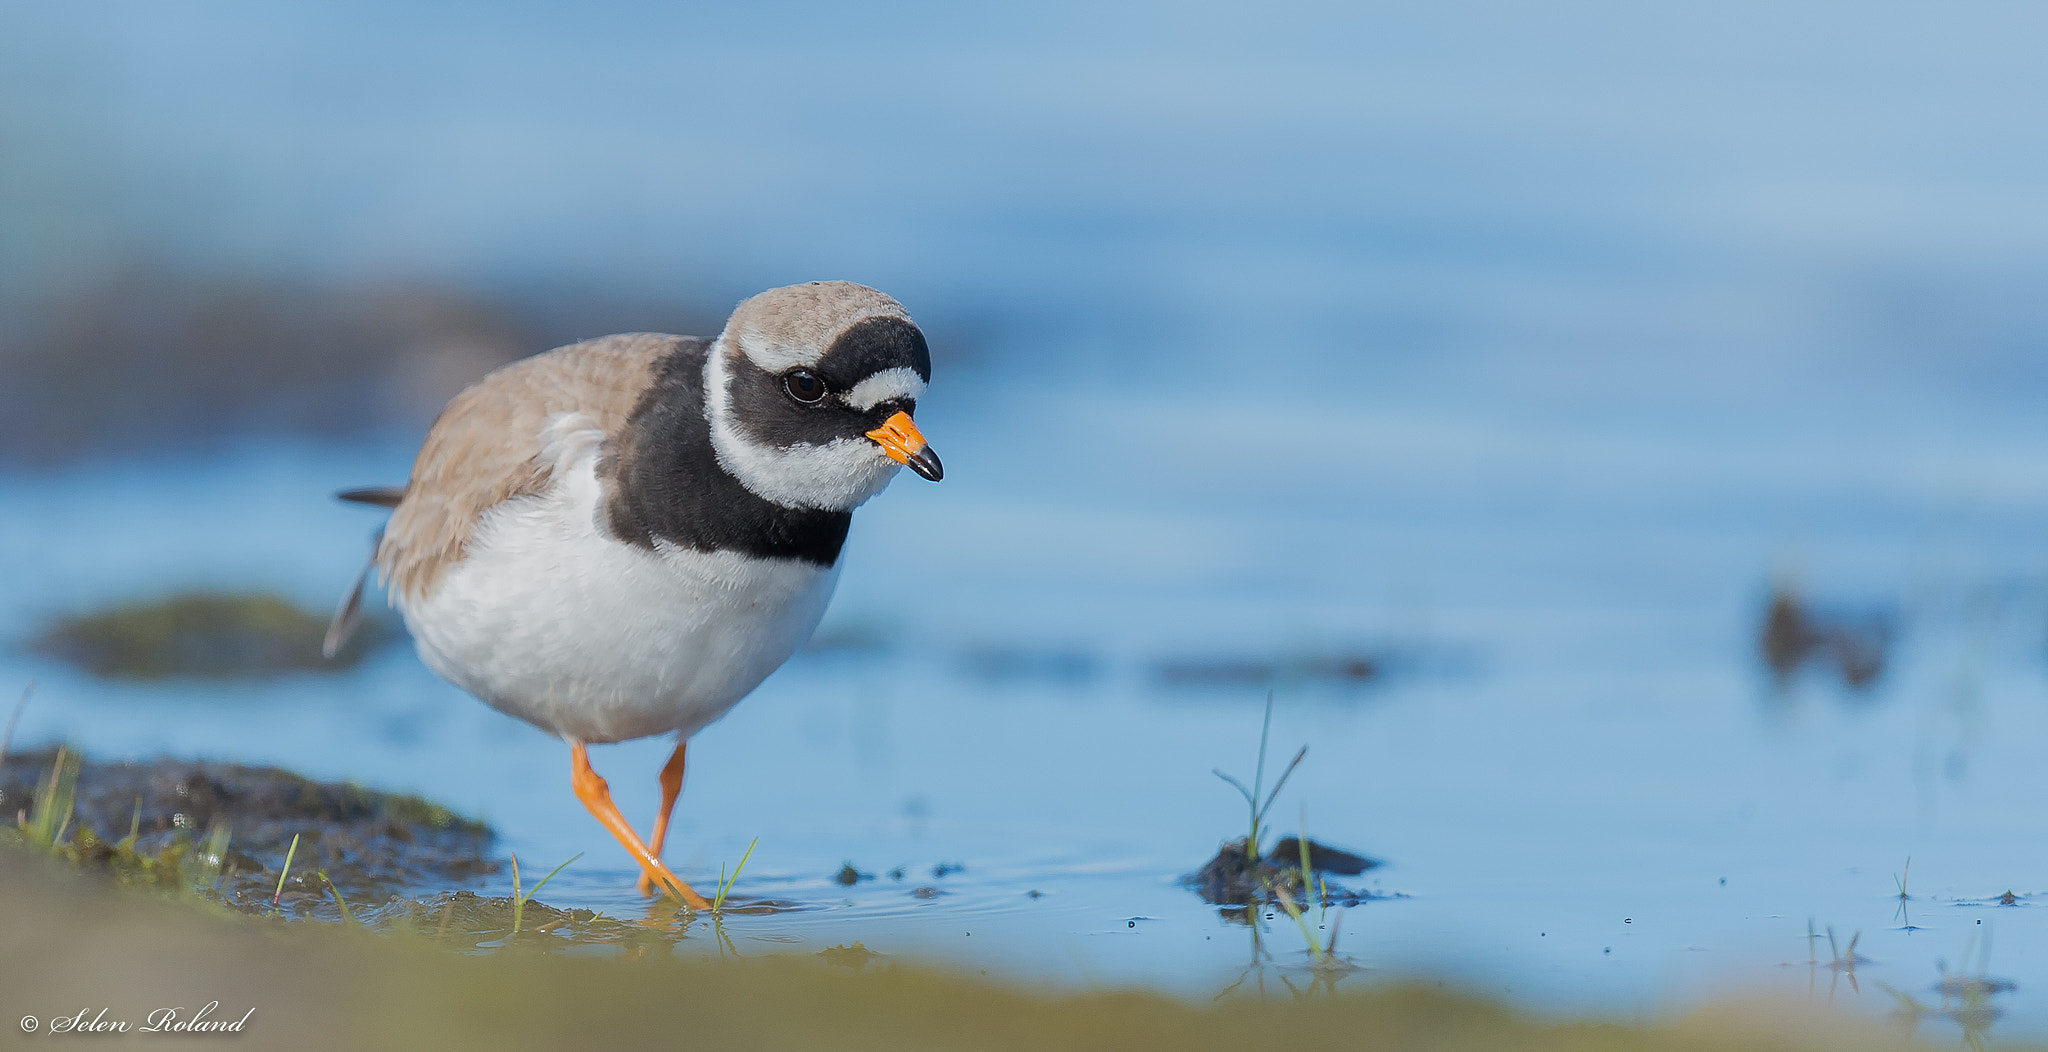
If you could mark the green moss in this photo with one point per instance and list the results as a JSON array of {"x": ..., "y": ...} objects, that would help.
[{"x": 206, "y": 634}]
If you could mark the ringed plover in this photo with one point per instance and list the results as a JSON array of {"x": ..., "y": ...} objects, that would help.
[{"x": 623, "y": 537}]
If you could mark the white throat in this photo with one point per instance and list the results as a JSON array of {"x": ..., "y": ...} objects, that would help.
[{"x": 838, "y": 476}]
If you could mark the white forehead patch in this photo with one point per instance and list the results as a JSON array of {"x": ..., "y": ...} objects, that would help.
[
  {"x": 778, "y": 357},
  {"x": 900, "y": 382}
]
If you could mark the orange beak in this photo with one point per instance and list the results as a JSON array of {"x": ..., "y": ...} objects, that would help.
[{"x": 904, "y": 444}]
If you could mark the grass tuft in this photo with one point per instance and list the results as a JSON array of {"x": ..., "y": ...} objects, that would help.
[
  {"x": 1257, "y": 807},
  {"x": 520, "y": 900},
  {"x": 45, "y": 829},
  {"x": 725, "y": 883}
]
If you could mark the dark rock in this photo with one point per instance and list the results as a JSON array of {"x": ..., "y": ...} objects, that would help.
[{"x": 1322, "y": 858}]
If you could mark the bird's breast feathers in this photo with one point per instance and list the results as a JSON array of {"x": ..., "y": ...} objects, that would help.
[{"x": 550, "y": 618}]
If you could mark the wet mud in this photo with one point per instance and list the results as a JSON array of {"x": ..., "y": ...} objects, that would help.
[
  {"x": 1237, "y": 878},
  {"x": 224, "y": 830}
]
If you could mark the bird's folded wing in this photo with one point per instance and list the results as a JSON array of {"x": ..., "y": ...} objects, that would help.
[{"x": 488, "y": 446}]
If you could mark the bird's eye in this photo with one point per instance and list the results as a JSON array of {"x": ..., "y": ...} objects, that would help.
[{"x": 804, "y": 386}]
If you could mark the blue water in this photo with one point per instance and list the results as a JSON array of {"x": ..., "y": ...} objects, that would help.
[
  {"x": 1530, "y": 346},
  {"x": 1560, "y": 792}
]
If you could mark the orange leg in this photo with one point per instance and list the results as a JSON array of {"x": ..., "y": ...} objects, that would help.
[
  {"x": 597, "y": 797},
  {"x": 671, "y": 787}
]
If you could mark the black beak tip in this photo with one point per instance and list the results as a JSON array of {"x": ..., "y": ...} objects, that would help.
[{"x": 926, "y": 463}]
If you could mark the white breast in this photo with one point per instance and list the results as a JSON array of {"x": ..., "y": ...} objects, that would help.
[{"x": 549, "y": 619}]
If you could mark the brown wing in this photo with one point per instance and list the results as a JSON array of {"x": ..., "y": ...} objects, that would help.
[{"x": 485, "y": 447}]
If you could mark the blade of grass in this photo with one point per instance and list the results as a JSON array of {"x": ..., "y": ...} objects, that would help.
[
  {"x": 58, "y": 795},
  {"x": 8, "y": 738},
  {"x": 65, "y": 826},
  {"x": 346, "y": 916},
  {"x": 1235, "y": 784},
  {"x": 725, "y": 883},
  {"x": 518, "y": 901},
  {"x": 1251, "y": 844},
  {"x": 551, "y": 875},
  {"x": 1300, "y": 921},
  {"x": 213, "y": 859},
  {"x": 286, "y": 871},
  {"x": 45, "y": 800},
  {"x": 1282, "y": 783},
  {"x": 1302, "y": 842}
]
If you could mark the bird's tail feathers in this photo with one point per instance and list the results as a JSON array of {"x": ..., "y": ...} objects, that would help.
[
  {"x": 350, "y": 612},
  {"x": 377, "y": 496}
]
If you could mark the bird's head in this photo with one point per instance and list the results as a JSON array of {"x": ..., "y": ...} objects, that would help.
[{"x": 810, "y": 390}]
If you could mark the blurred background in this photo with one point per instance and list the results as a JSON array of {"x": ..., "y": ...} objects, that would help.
[{"x": 1612, "y": 431}]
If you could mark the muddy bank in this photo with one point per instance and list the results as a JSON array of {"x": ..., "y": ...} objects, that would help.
[{"x": 223, "y": 830}]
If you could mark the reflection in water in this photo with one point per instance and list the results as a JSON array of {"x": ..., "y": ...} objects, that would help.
[
  {"x": 1965, "y": 997},
  {"x": 1904, "y": 914},
  {"x": 1841, "y": 962},
  {"x": 1320, "y": 974}
]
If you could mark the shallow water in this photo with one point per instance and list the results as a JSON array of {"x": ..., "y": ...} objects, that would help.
[{"x": 1586, "y": 790}]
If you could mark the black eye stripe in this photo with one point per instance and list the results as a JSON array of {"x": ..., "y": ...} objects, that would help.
[{"x": 874, "y": 344}]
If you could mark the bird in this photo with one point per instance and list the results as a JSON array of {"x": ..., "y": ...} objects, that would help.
[{"x": 621, "y": 538}]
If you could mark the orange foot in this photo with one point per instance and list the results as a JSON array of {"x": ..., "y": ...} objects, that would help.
[{"x": 597, "y": 797}]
